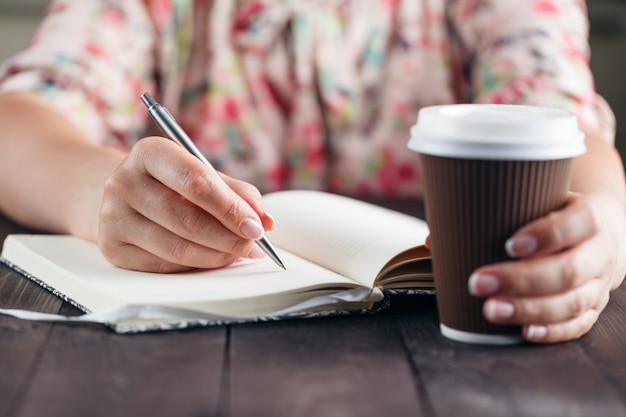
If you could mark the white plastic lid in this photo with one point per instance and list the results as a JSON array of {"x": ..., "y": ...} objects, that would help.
[{"x": 497, "y": 131}]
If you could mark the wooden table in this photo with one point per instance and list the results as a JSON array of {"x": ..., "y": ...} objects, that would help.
[{"x": 391, "y": 364}]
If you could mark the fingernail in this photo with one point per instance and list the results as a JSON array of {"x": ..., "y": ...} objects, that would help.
[
  {"x": 269, "y": 215},
  {"x": 251, "y": 229},
  {"x": 271, "y": 218},
  {"x": 256, "y": 253},
  {"x": 498, "y": 310},
  {"x": 483, "y": 284},
  {"x": 520, "y": 246},
  {"x": 536, "y": 333}
]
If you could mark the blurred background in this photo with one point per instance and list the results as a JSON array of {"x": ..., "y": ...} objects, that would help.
[{"x": 18, "y": 19}]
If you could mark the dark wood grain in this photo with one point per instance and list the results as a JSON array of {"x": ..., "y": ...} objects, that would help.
[
  {"x": 105, "y": 374},
  {"x": 606, "y": 343},
  {"x": 522, "y": 380},
  {"x": 87, "y": 370},
  {"x": 21, "y": 342},
  {"x": 330, "y": 367},
  {"x": 394, "y": 363}
]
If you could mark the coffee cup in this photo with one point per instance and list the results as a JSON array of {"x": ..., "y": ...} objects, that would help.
[{"x": 487, "y": 170}]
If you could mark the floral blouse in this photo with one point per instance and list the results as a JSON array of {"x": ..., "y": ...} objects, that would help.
[{"x": 305, "y": 93}]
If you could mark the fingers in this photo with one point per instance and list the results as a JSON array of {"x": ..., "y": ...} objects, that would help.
[
  {"x": 164, "y": 211},
  {"x": 560, "y": 229},
  {"x": 180, "y": 171},
  {"x": 132, "y": 257},
  {"x": 168, "y": 209},
  {"x": 547, "y": 309},
  {"x": 561, "y": 332},
  {"x": 562, "y": 279},
  {"x": 152, "y": 248},
  {"x": 550, "y": 274},
  {"x": 253, "y": 197},
  {"x": 157, "y": 240},
  {"x": 549, "y": 316}
]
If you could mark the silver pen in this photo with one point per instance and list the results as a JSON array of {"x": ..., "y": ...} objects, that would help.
[{"x": 168, "y": 125}]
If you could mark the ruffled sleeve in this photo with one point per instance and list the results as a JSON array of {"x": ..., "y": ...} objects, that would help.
[
  {"x": 532, "y": 52},
  {"x": 92, "y": 59}
]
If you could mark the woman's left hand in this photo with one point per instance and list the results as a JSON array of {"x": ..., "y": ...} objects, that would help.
[{"x": 567, "y": 264}]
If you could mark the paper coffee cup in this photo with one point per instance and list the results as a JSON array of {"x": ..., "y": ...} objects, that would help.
[{"x": 487, "y": 170}]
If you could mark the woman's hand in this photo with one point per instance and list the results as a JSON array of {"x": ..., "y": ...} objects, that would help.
[
  {"x": 164, "y": 211},
  {"x": 567, "y": 264}
]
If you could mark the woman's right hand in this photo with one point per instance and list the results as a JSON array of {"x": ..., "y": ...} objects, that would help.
[{"x": 165, "y": 211}]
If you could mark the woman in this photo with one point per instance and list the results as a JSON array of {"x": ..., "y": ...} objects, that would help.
[{"x": 293, "y": 94}]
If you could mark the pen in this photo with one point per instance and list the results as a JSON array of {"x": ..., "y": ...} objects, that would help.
[{"x": 168, "y": 125}]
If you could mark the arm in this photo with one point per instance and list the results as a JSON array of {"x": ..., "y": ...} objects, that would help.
[
  {"x": 87, "y": 79},
  {"x": 150, "y": 207},
  {"x": 55, "y": 173},
  {"x": 156, "y": 208}
]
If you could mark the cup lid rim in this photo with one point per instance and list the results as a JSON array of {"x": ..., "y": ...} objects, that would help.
[{"x": 494, "y": 131}]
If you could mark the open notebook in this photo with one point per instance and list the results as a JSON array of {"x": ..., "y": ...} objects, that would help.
[{"x": 341, "y": 255}]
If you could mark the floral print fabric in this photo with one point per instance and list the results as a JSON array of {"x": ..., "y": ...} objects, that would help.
[{"x": 305, "y": 93}]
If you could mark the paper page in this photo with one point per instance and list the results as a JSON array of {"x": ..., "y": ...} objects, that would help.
[
  {"x": 77, "y": 269},
  {"x": 350, "y": 237}
]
